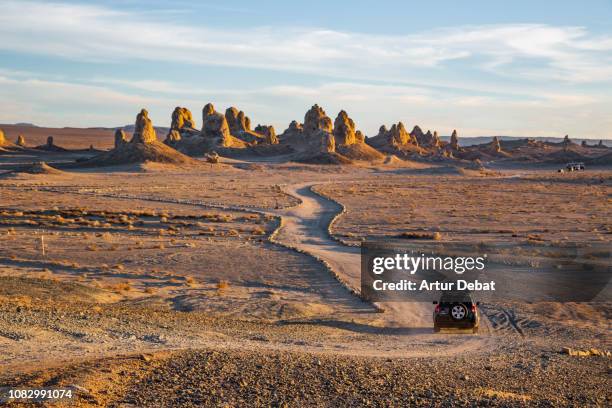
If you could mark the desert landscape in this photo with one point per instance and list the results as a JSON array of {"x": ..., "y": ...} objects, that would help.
[
  {"x": 305, "y": 204},
  {"x": 219, "y": 265}
]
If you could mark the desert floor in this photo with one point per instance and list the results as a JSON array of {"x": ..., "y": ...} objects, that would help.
[{"x": 225, "y": 284}]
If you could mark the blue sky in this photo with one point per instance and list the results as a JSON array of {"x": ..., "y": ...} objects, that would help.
[{"x": 484, "y": 67}]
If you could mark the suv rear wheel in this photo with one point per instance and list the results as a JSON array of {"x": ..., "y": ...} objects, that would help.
[{"x": 458, "y": 312}]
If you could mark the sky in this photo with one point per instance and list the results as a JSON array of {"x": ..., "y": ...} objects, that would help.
[{"x": 483, "y": 67}]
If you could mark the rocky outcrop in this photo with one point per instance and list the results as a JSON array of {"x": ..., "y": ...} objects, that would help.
[
  {"x": 495, "y": 145},
  {"x": 182, "y": 118},
  {"x": 144, "y": 147},
  {"x": 316, "y": 120},
  {"x": 328, "y": 143},
  {"x": 214, "y": 126},
  {"x": 396, "y": 136},
  {"x": 3, "y": 140},
  {"x": 344, "y": 129},
  {"x": 359, "y": 137},
  {"x": 50, "y": 143},
  {"x": 20, "y": 141},
  {"x": 395, "y": 140},
  {"x": 417, "y": 133},
  {"x": 268, "y": 133},
  {"x": 173, "y": 137},
  {"x": 454, "y": 141},
  {"x": 144, "y": 132},
  {"x": 436, "y": 141},
  {"x": 295, "y": 128},
  {"x": 120, "y": 138},
  {"x": 236, "y": 120}
]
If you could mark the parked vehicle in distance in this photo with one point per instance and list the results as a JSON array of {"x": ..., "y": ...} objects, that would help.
[
  {"x": 574, "y": 166},
  {"x": 456, "y": 310}
]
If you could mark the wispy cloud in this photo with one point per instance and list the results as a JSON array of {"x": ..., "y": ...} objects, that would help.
[{"x": 95, "y": 33}]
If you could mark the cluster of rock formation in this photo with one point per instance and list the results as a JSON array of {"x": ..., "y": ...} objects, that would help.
[
  {"x": 144, "y": 145},
  {"x": 268, "y": 132},
  {"x": 237, "y": 120},
  {"x": 214, "y": 126},
  {"x": 429, "y": 140}
]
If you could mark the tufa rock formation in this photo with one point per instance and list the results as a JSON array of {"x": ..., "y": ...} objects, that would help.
[
  {"x": 143, "y": 129},
  {"x": 3, "y": 141},
  {"x": 495, "y": 145},
  {"x": 120, "y": 138},
  {"x": 436, "y": 142},
  {"x": 50, "y": 141},
  {"x": 344, "y": 129},
  {"x": 295, "y": 126},
  {"x": 214, "y": 126},
  {"x": 20, "y": 141},
  {"x": 359, "y": 137},
  {"x": 236, "y": 120},
  {"x": 454, "y": 141},
  {"x": 328, "y": 143},
  {"x": 173, "y": 137},
  {"x": 395, "y": 137},
  {"x": 417, "y": 133},
  {"x": 268, "y": 133},
  {"x": 144, "y": 147},
  {"x": 182, "y": 118},
  {"x": 316, "y": 120}
]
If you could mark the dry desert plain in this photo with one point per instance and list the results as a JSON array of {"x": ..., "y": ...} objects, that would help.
[{"x": 237, "y": 283}]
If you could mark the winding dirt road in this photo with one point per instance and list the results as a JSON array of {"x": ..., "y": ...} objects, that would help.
[{"x": 305, "y": 227}]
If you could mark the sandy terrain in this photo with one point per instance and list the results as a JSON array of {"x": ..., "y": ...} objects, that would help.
[{"x": 163, "y": 285}]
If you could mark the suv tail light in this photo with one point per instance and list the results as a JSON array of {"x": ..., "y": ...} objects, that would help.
[
  {"x": 473, "y": 308},
  {"x": 437, "y": 309}
]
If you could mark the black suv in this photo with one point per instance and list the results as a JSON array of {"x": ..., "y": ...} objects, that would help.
[{"x": 456, "y": 310}]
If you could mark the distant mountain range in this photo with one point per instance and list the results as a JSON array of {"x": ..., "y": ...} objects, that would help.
[{"x": 470, "y": 141}]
